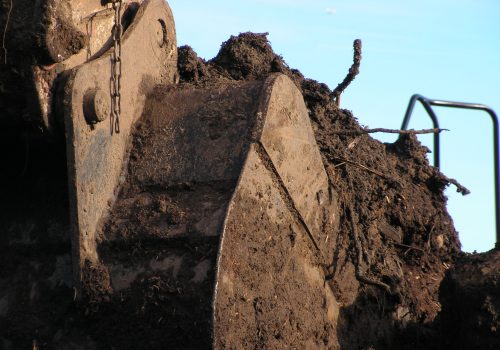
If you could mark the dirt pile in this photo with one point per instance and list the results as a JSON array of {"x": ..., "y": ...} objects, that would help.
[{"x": 396, "y": 240}]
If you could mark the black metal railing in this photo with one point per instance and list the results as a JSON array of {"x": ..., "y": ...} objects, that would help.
[{"x": 427, "y": 104}]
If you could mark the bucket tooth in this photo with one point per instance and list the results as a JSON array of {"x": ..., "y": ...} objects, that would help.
[{"x": 274, "y": 245}]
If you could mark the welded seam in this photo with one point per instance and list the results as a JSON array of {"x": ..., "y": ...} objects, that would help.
[{"x": 268, "y": 163}]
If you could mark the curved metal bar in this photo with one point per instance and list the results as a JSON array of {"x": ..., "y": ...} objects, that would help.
[
  {"x": 428, "y": 103},
  {"x": 432, "y": 115}
]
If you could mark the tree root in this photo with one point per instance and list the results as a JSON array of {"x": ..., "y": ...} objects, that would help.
[
  {"x": 353, "y": 71},
  {"x": 360, "y": 276}
]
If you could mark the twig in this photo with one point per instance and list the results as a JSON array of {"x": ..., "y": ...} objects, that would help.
[
  {"x": 353, "y": 71},
  {"x": 364, "y": 168},
  {"x": 5, "y": 31},
  {"x": 460, "y": 189},
  {"x": 431, "y": 231},
  {"x": 408, "y": 246},
  {"x": 363, "y": 131}
]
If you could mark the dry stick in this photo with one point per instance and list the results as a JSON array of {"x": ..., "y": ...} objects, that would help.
[
  {"x": 364, "y": 168},
  {"x": 408, "y": 246},
  {"x": 5, "y": 31},
  {"x": 363, "y": 131},
  {"x": 353, "y": 71},
  {"x": 430, "y": 235}
]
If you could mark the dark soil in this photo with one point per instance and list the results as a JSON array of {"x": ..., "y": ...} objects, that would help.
[
  {"x": 36, "y": 295},
  {"x": 421, "y": 291},
  {"x": 56, "y": 36},
  {"x": 37, "y": 34},
  {"x": 471, "y": 303}
]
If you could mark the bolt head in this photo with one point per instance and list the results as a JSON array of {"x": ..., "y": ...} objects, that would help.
[{"x": 96, "y": 106}]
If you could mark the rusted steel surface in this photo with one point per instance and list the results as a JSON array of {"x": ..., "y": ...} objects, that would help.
[{"x": 95, "y": 158}]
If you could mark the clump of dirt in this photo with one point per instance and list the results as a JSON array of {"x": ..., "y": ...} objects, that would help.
[
  {"x": 191, "y": 67},
  {"x": 174, "y": 214},
  {"x": 95, "y": 284},
  {"x": 35, "y": 35},
  {"x": 247, "y": 56},
  {"x": 56, "y": 37}
]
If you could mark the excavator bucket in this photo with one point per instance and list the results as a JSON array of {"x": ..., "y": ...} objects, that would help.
[
  {"x": 216, "y": 195},
  {"x": 226, "y": 201}
]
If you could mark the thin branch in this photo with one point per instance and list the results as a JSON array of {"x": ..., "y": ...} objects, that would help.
[
  {"x": 363, "y": 131},
  {"x": 361, "y": 166},
  {"x": 5, "y": 31},
  {"x": 408, "y": 246},
  {"x": 353, "y": 71},
  {"x": 460, "y": 189}
]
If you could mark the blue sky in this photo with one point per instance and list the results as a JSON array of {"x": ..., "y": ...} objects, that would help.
[{"x": 440, "y": 49}]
